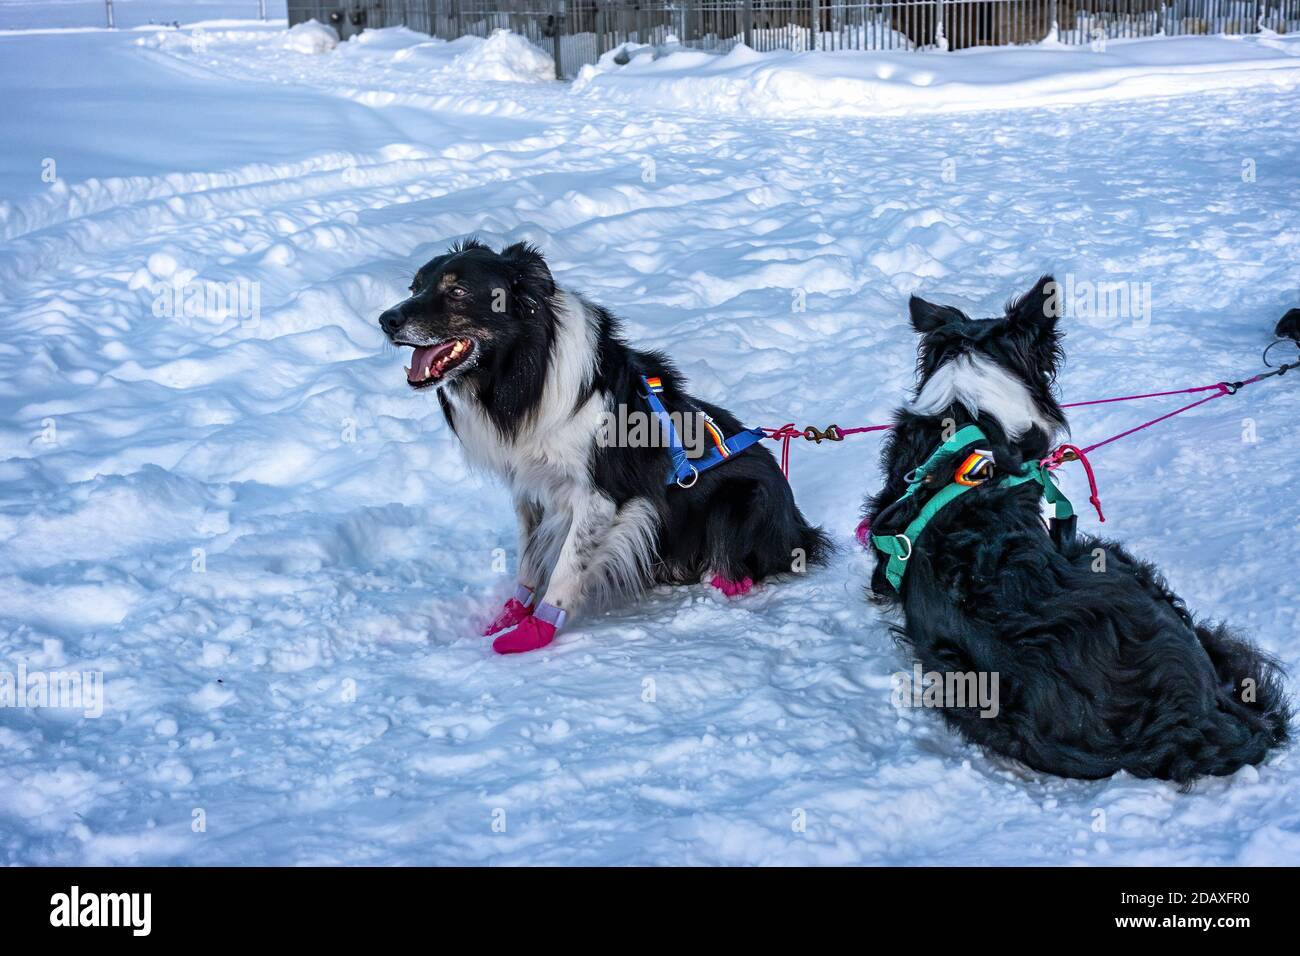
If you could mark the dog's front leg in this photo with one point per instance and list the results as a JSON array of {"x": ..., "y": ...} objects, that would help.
[
  {"x": 541, "y": 535},
  {"x": 534, "y": 547},
  {"x": 532, "y": 567},
  {"x": 589, "y": 525},
  {"x": 593, "y": 515}
]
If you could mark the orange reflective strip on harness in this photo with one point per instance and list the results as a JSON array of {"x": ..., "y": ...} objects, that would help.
[{"x": 977, "y": 468}]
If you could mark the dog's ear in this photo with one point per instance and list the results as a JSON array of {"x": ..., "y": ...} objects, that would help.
[
  {"x": 1038, "y": 309},
  {"x": 1034, "y": 316},
  {"x": 530, "y": 278},
  {"x": 465, "y": 244},
  {"x": 928, "y": 317}
]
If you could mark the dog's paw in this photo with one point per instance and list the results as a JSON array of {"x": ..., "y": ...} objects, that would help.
[
  {"x": 510, "y": 615},
  {"x": 528, "y": 636},
  {"x": 732, "y": 588}
]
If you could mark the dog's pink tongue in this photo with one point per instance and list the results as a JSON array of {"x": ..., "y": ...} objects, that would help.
[{"x": 421, "y": 360}]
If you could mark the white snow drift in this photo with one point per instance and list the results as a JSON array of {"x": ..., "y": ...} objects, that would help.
[
  {"x": 883, "y": 82},
  {"x": 310, "y": 37}
]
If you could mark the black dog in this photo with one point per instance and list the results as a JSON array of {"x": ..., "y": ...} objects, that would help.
[
  {"x": 1288, "y": 327},
  {"x": 1100, "y": 667},
  {"x": 540, "y": 388}
]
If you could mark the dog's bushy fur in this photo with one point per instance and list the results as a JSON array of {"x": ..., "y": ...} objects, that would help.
[
  {"x": 1100, "y": 666},
  {"x": 1288, "y": 327},
  {"x": 596, "y": 519}
]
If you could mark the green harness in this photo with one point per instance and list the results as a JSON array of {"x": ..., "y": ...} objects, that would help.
[{"x": 899, "y": 546}]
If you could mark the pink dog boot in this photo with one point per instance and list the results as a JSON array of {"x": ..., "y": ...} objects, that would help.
[
  {"x": 534, "y": 632},
  {"x": 732, "y": 588},
  {"x": 516, "y": 609}
]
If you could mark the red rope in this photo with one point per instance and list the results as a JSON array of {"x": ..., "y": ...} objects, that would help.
[
  {"x": 785, "y": 434},
  {"x": 1221, "y": 389},
  {"x": 1130, "y": 398},
  {"x": 864, "y": 428},
  {"x": 1057, "y": 458},
  {"x": 788, "y": 432}
]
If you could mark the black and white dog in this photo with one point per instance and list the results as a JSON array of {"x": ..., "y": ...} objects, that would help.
[
  {"x": 530, "y": 378},
  {"x": 1100, "y": 666}
]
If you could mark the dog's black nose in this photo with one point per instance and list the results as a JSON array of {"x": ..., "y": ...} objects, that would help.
[{"x": 392, "y": 320}]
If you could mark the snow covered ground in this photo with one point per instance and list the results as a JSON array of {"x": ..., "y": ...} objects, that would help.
[
  {"x": 127, "y": 14},
  {"x": 274, "y": 554},
  {"x": 895, "y": 83}
]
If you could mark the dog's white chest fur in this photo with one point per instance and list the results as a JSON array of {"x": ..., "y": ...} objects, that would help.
[{"x": 548, "y": 459}]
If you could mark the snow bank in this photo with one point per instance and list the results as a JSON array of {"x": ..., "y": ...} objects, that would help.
[
  {"x": 506, "y": 56},
  {"x": 311, "y": 37},
  {"x": 503, "y": 57},
  {"x": 875, "y": 83}
]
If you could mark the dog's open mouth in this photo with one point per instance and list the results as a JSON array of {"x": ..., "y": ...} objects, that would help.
[{"x": 432, "y": 362}]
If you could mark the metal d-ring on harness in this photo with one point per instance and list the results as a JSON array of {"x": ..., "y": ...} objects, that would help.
[
  {"x": 974, "y": 470},
  {"x": 685, "y": 473}
]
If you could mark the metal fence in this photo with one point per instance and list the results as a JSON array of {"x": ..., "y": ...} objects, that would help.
[{"x": 577, "y": 32}]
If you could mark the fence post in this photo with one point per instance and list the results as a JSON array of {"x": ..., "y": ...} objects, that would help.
[
  {"x": 688, "y": 7},
  {"x": 747, "y": 22},
  {"x": 940, "y": 33},
  {"x": 1051, "y": 17},
  {"x": 814, "y": 22},
  {"x": 108, "y": 4},
  {"x": 558, "y": 6},
  {"x": 261, "y": 9}
]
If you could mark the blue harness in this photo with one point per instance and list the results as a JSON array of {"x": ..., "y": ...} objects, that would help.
[{"x": 686, "y": 472}]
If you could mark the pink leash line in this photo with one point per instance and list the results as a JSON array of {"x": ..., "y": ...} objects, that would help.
[
  {"x": 1220, "y": 390},
  {"x": 1130, "y": 398},
  {"x": 1073, "y": 453},
  {"x": 788, "y": 432}
]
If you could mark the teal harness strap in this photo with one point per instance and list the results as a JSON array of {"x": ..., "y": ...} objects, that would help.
[
  {"x": 899, "y": 546},
  {"x": 1037, "y": 471},
  {"x": 966, "y": 435}
]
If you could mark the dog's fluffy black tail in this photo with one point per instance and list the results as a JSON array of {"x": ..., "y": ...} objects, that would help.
[
  {"x": 817, "y": 545},
  {"x": 758, "y": 531},
  {"x": 1252, "y": 715},
  {"x": 814, "y": 544}
]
